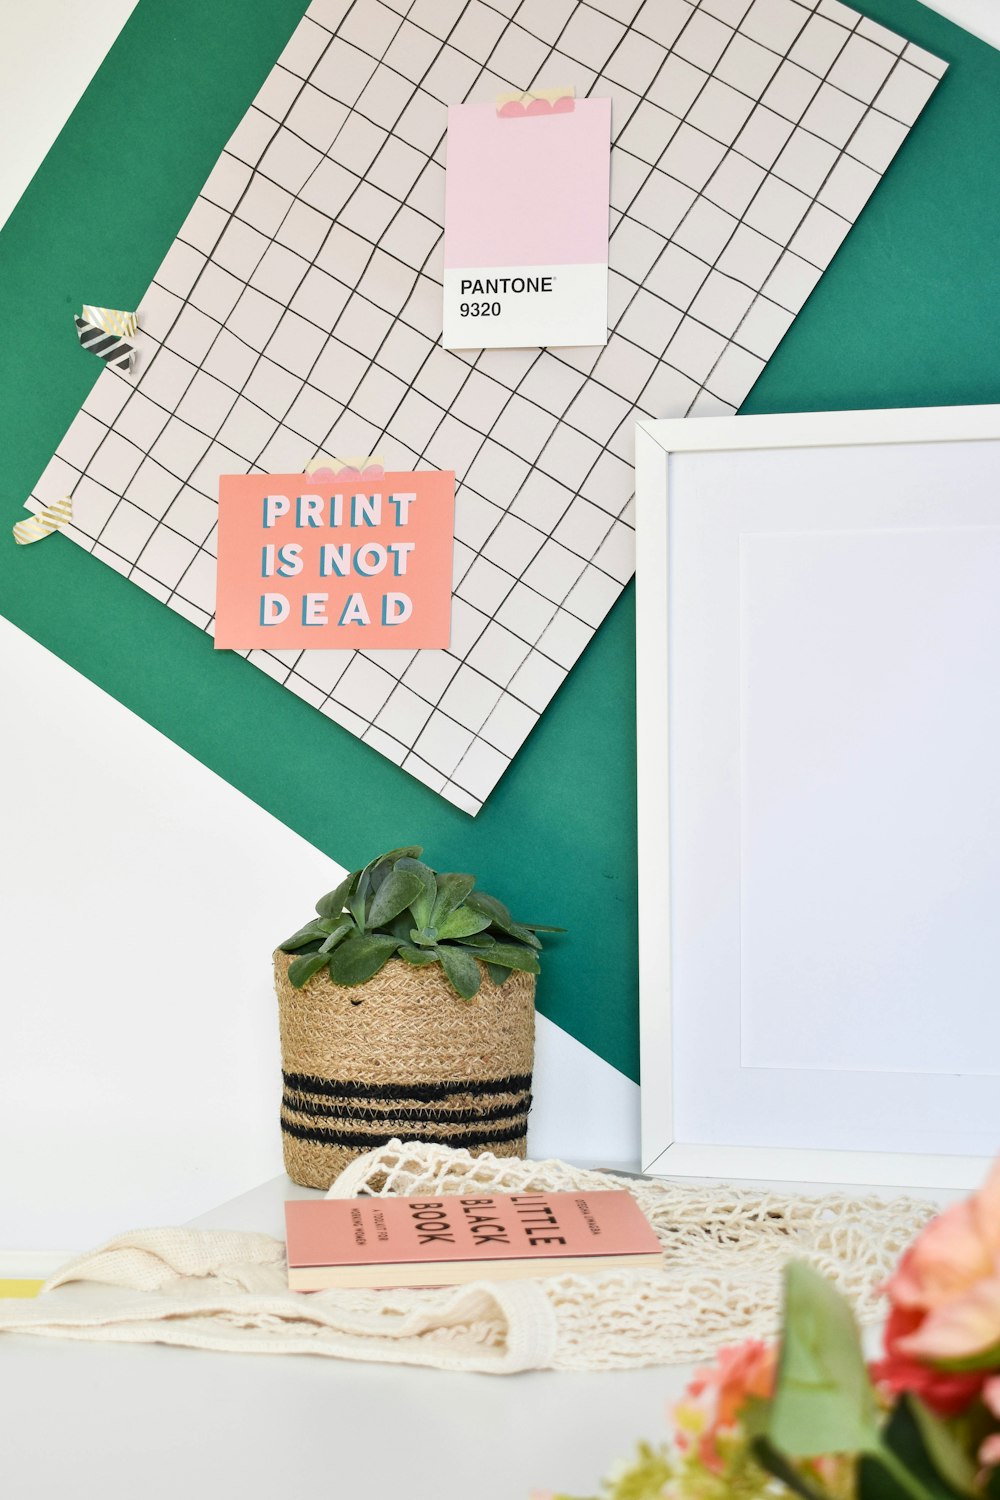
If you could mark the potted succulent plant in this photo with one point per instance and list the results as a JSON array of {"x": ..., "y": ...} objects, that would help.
[{"x": 406, "y": 1009}]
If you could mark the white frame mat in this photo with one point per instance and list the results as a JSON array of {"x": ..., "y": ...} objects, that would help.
[{"x": 668, "y": 1093}]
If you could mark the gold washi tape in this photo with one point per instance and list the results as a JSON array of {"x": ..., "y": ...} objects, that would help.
[
  {"x": 52, "y": 518},
  {"x": 111, "y": 320}
]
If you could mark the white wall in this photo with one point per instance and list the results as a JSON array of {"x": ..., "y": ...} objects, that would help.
[{"x": 141, "y": 897}]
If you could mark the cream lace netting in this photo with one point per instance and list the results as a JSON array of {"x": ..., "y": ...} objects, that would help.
[
  {"x": 720, "y": 1281},
  {"x": 723, "y": 1252}
]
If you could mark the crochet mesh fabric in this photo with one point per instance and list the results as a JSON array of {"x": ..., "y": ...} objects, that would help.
[
  {"x": 723, "y": 1252},
  {"x": 720, "y": 1280}
]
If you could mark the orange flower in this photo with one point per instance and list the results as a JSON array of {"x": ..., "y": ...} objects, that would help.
[{"x": 716, "y": 1396}]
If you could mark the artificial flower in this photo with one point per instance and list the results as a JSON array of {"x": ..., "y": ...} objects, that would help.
[
  {"x": 957, "y": 1249},
  {"x": 715, "y": 1396},
  {"x": 945, "y": 1297},
  {"x": 989, "y": 1449},
  {"x": 945, "y": 1391}
]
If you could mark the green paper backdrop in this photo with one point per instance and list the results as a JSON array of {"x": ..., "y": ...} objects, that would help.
[{"x": 908, "y": 314}]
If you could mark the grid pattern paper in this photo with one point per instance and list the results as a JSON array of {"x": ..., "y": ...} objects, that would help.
[{"x": 299, "y": 309}]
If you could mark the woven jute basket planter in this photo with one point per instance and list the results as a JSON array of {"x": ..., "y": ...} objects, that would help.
[{"x": 402, "y": 1055}]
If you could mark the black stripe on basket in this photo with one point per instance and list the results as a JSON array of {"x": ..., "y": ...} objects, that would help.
[
  {"x": 423, "y": 1093},
  {"x": 327, "y": 1137},
  {"x": 417, "y": 1114}
]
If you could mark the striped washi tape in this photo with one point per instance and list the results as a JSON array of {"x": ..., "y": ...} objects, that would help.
[{"x": 33, "y": 528}]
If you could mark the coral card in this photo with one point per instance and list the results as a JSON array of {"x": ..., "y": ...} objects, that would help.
[
  {"x": 348, "y": 563},
  {"x": 526, "y": 224}
]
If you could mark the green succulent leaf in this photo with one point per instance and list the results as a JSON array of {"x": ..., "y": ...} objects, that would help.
[
  {"x": 302, "y": 969},
  {"x": 407, "y": 851},
  {"x": 500, "y": 917},
  {"x": 310, "y": 933},
  {"x": 397, "y": 904},
  {"x": 383, "y": 864},
  {"x": 358, "y": 897},
  {"x": 462, "y": 922},
  {"x": 426, "y": 937},
  {"x": 494, "y": 909},
  {"x": 451, "y": 892},
  {"x": 337, "y": 935},
  {"x": 423, "y": 905},
  {"x": 360, "y": 957},
  {"x": 462, "y": 971},
  {"x": 393, "y": 896},
  {"x": 400, "y": 927},
  {"x": 418, "y": 957},
  {"x": 332, "y": 904},
  {"x": 509, "y": 956}
]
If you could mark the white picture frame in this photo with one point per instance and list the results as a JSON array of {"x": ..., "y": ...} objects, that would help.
[{"x": 674, "y": 459}]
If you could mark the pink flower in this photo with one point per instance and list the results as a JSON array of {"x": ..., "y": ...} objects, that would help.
[
  {"x": 957, "y": 1249},
  {"x": 946, "y": 1392},
  {"x": 945, "y": 1296},
  {"x": 989, "y": 1452},
  {"x": 716, "y": 1396}
]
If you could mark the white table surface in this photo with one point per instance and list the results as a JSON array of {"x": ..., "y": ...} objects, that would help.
[{"x": 148, "y": 1422}]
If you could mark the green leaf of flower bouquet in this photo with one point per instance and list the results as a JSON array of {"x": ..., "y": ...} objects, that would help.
[
  {"x": 820, "y": 1403},
  {"x": 823, "y": 1400},
  {"x": 949, "y": 1457},
  {"x": 462, "y": 971},
  {"x": 498, "y": 974},
  {"x": 985, "y": 1359},
  {"x": 310, "y": 933},
  {"x": 418, "y": 957},
  {"x": 451, "y": 892},
  {"x": 773, "y": 1462},
  {"x": 462, "y": 922},
  {"x": 337, "y": 935},
  {"x": 301, "y": 970},
  {"x": 360, "y": 957},
  {"x": 393, "y": 896},
  {"x": 332, "y": 904},
  {"x": 423, "y": 905}
]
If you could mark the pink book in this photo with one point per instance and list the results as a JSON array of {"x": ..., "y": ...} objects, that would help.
[{"x": 386, "y": 1242}]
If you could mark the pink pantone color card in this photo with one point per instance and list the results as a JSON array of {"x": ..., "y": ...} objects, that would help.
[
  {"x": 347, "y": 564},
  {"x": 526, "y": 225}
]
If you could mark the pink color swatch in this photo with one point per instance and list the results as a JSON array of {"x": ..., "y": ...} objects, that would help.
[{"x": 528, "y": 191}]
